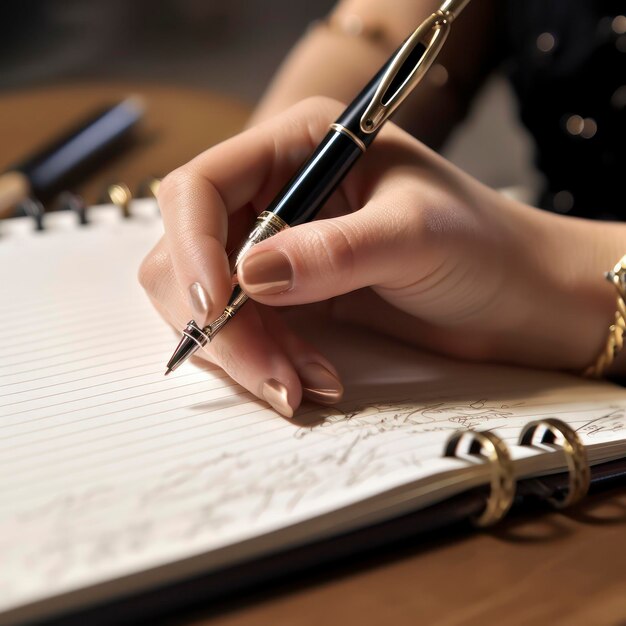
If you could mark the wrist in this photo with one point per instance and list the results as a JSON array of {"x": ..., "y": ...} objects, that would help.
[
  {"x": 610, "y": 360},
  {"x": 571, "y": 306}
]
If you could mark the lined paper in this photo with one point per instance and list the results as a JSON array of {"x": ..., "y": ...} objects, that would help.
[{"x": 108, "y": 468}]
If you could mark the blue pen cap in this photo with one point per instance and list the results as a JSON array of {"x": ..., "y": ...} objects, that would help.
[{"x": 81, "y": 148}]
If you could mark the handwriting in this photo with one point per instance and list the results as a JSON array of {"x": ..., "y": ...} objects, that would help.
[
  {"x": 227, "y": 493},
  {"x": 372, "y": 418},
  {"x": 612, "y": 422}
]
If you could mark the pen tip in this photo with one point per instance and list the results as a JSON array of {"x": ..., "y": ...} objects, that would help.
[{"x": 168, "y": 370}]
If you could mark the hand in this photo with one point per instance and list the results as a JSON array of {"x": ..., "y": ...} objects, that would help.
[{"x": 409, "y": 246}]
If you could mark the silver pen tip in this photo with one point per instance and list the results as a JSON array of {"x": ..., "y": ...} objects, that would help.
[{"x": 193, "y": 338}]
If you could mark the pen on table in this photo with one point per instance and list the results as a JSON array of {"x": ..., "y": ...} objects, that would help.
[
  {"x": 348, "y": 138},
  {"x": 44, "y": 173}
]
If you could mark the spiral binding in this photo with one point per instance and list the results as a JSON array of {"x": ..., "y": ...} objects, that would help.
[
  {"x": 494, "y": 452},
  {"x": 118, "y": 194},
  {"x": 149, "y": 188},
  {"x": 69, "y": 201},
  {"x": 575, "y": 455},
  {"x": 35, "y": 209}
]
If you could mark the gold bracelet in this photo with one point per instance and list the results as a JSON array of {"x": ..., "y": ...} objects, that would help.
[{"x": 615, "y": 341}]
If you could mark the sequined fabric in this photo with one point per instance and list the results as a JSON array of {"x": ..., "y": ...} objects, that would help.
[{"x": 567, "y": 62}]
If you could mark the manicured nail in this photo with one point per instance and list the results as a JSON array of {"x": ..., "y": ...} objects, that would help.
[
  {"x": 319, "y": 384},
  {"x": 200, "y": 303},
  {"x": 275, "y": 394},
  {"x": 265, "y": 273}
]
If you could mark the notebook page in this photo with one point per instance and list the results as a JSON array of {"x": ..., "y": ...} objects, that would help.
[{"x": 107, "y": 468}]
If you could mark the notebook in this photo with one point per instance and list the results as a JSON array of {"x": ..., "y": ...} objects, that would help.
[{"x": 116, "y": 480}]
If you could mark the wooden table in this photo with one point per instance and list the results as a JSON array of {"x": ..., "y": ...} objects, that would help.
[
  {"x": 179, "y": 124},
  {"x": 545, "y": 568}
]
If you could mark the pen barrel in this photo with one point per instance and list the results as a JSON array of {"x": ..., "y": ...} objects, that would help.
[
  {"x": 305, "y": 194},
  {"x": 350, "y": 119}
]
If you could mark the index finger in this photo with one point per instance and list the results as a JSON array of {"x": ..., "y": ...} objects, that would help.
[{"x": 197, "y": 198}]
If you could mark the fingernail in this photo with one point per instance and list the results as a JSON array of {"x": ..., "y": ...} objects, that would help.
[
  {"x": 275, "y": 394},
  {"x": 200, "y": 303},
  {"x": 266, "y": 273},
  {"x": 320, "y": 384}
]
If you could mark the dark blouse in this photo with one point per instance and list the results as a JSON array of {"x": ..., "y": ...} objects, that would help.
[{"x": 566, "y": 60}]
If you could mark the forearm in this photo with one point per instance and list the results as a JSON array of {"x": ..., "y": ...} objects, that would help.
[
  {"x": 594, "y": 248},
  {"x": 328, "y": 61}
]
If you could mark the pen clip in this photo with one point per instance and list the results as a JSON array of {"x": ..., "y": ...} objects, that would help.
[{"x": 404, "y": 72}]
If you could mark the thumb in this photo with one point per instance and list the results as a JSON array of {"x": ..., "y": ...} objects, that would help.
[{"x": 322, "y": 259}]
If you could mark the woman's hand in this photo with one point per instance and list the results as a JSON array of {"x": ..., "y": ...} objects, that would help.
[{"x": 409, "y": 246}]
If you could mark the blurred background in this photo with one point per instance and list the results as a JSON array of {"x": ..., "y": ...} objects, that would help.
[{"x": 230, "y": 48}]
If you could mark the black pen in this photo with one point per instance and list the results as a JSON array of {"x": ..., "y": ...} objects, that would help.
[
  {"x": 70, "y": 155},
  {"x": 348, "y": 138}
]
